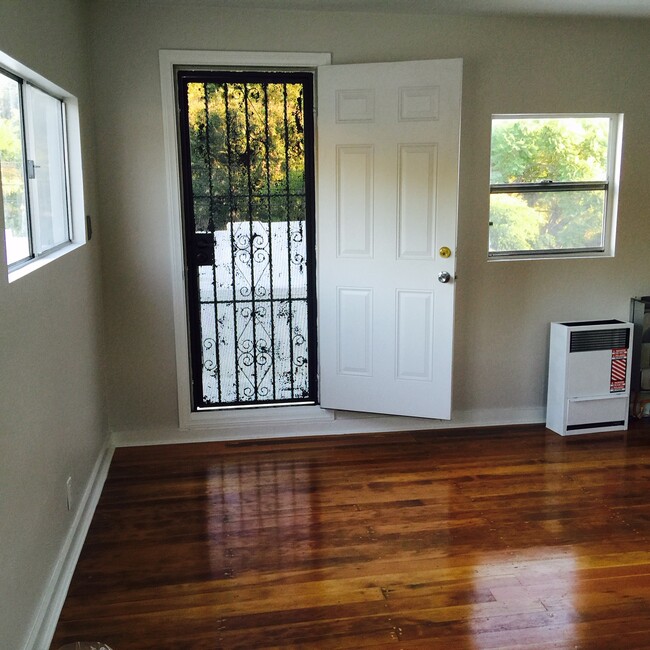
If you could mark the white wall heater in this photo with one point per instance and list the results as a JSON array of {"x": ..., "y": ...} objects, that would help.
[{"x": 589, "y": 376}]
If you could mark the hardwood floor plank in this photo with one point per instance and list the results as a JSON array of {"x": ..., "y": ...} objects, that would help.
[{"x": 467, "y": 539}]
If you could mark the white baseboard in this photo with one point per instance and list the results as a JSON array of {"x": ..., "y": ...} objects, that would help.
[
  {"x": 56, "y": 589},
  {"x": 335, "y": 423}
]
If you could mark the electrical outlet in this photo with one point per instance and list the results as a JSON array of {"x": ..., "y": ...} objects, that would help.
[{"x": 68, "y": 492}]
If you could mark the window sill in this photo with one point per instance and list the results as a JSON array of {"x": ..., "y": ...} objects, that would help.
[
  {"x": 42, "y": 261},
  {"x": 550, "y": 256}
]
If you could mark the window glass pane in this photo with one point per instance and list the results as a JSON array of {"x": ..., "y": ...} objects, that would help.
[
  {"x": 559, "y": 149},
  {"x": 547, "y": 221},
  {"x": 46, "y": 147},
  {"x": 12, "y": 173}
]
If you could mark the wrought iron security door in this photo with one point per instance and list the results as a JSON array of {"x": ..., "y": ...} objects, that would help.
[{"x": 248, "y": 190}]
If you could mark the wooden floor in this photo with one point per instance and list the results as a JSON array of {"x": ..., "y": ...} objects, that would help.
[{"x": 507, "y": 538}]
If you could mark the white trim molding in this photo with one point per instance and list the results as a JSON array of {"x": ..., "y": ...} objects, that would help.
[
  {"x": 54, "y": 593},
  {"x": 170, "y": 60},
  {"x": 328, "y": 423}
]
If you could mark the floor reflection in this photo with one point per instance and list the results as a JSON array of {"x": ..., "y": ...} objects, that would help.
[
  {"x": 532, "y": 599},
  {"x": 429, "y": 540},
  {"x": 261, "y": 515}
]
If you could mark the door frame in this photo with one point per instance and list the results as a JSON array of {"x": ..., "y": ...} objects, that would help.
[{"x": 169, "y": 61}]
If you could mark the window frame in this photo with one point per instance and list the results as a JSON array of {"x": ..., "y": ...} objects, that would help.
[
  {"x": 71, "y": 161},
  {"x": 610, "y": 186},
  {"x": 30, "y": 144}
]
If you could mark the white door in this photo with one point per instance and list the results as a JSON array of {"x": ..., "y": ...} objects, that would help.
[{"x": 388, "y": 147}]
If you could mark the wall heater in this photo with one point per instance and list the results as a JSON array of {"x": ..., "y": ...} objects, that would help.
[{"x": 589, "y": 376}]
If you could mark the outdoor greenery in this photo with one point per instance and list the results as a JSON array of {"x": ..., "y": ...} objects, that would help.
[
  {"x": 11, "y": 159},
  {"x": 548, "y": 150},
  {"x": 247, "y": 151}
]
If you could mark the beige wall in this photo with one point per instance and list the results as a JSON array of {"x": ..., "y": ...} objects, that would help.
[
  {"x": 511, "y": 65},
  {"x": 51, "y": 397}
]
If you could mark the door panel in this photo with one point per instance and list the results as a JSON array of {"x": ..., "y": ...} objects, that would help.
[
  {"x": 388, "y": 145},
  {"x": 354, "y": 309},
  {"x": 416, "y": 207},
  {"x": 354, "y": 177}
]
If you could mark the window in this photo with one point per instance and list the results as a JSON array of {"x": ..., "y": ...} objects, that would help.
[
  {"x": 553, "y": 185},
  {"x": 32, "y": 168},
  {"x": 40, "y": 168}
]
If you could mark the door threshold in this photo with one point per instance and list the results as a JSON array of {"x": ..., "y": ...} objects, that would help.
[{"x": 238, "y": 407}]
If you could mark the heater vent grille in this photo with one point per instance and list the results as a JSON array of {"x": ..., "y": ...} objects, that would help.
[{"x": 601, "y": 339}]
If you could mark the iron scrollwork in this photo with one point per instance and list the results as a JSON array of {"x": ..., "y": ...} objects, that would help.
[{"x": 247, "y": 149}]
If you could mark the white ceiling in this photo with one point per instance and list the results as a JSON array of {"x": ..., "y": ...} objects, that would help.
[{"x": 621, "y": 8}]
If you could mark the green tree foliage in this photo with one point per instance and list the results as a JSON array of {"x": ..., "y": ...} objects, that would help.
[
  {"x": 548, "y": 151},
  {"x": 515, "y": 225},
  {"x": 11, "y": 159},
  {"x": 247, "y": 152}
]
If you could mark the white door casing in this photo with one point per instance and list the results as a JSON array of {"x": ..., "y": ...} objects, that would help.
[
  {"x": 388, "y": 149},
  {"x": 169, "y": 61}
]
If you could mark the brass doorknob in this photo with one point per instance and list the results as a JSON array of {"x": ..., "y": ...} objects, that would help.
[{"x": 445, "y": 251}]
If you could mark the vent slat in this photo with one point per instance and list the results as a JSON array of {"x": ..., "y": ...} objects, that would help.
[{"x": 607, "y": 339}]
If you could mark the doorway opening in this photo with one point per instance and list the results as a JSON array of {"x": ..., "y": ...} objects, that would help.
[{"x": 247, "y": 166}]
